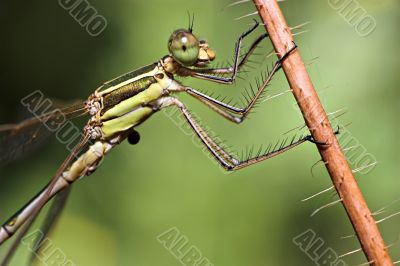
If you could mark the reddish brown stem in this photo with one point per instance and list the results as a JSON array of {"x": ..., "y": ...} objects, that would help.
[{"x": 317, "y": 121}]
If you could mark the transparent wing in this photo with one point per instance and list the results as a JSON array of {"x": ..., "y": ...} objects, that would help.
[
  {"x": 16, "y": 139},
  {"x": 55, "y": 209},
  {"x": 51, "y": 219}
]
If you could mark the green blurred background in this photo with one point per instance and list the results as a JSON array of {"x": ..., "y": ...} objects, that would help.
[{"x": 246, "y": 218}]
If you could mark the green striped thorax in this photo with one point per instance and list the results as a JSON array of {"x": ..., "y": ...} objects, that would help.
[{"x": 127, "y": 101}]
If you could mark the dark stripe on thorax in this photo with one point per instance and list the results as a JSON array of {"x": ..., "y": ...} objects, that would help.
[
  {"x": 129, "y": 76},
  {"x": 129, "y": 90}
]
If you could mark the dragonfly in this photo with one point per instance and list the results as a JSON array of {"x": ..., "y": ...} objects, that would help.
[{"x": 119, "y": 106}]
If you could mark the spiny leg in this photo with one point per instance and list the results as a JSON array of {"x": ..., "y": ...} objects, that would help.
[
  {"x": 226, "y": 160},
  {"x": 224, "y": 109},
  {"x": 231, "y": 69},
  {"x": 206, "y": 73}
]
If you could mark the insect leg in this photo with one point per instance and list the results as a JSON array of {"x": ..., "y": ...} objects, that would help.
[
  {"x": 207, "y": 73},
  {"x": 231, "y": 69},
  {"x": 241, "y": 113},
  {"x": 226, "y": 160}
]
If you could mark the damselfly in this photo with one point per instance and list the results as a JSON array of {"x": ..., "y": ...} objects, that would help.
[{"x": 118, "y": 106}]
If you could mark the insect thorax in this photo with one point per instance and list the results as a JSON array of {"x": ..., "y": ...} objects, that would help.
[{"x": 127, "y": 100}]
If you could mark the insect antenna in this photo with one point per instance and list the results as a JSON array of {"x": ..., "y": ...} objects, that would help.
[{"x": 191, "y": 22}]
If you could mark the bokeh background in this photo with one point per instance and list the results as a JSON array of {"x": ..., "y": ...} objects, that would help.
[{"x": 246, "y": 218}]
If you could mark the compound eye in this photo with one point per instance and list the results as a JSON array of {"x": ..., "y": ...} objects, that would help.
[{"x": 184, "y": 47}]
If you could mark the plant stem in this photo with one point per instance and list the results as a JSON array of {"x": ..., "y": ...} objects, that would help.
[{"x": 318, "y": 123}]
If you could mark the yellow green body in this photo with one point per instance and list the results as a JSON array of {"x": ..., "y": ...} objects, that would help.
[{"x": 132, "y": 99}]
